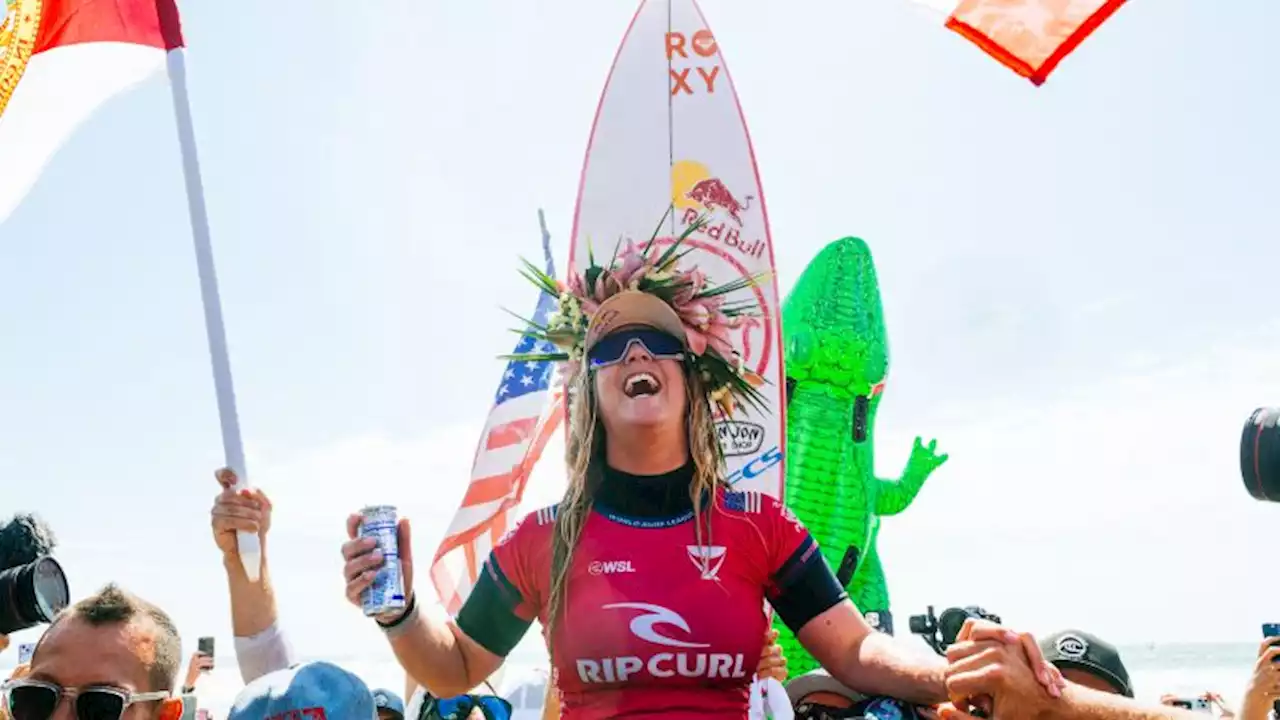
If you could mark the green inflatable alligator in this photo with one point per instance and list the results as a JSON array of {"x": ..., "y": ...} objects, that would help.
[{"x": 837, "y": 358}]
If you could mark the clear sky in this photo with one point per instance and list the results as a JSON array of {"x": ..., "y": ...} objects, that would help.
[{"x": 1079, "y": 282}]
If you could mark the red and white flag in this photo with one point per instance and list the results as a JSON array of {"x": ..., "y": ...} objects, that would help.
[
  {"x": 60, "y": 60},
  {"x": 527, "y": 409},
  {"x": 1029, "y": 36}
]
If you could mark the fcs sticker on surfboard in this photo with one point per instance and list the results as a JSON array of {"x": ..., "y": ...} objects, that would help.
[{"x": 669, "y": 133}]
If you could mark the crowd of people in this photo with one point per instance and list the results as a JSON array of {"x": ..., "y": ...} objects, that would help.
[
  {"x": 679, "y": 633},
  {"x": 115, "y": 656}
]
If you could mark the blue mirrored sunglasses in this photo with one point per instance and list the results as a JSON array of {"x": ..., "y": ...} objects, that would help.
[
  {"x": 613, "y": 349},
  {"x": 458, "y": 708}
]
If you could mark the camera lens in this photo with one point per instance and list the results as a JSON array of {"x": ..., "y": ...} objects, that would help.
[
  {"x": 32, "y": 594},
  {"x": 1260, "y": 455},
  {"x": 951, "y": 622}
]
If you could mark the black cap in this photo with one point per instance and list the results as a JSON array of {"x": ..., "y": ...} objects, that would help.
[{"x": 1077, "y": 650}]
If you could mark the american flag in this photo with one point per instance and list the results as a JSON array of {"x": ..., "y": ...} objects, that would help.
[{"x": 527, "y": 410}]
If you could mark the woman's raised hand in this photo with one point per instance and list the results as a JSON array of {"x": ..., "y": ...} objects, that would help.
[{"x": 363, "y": 559}]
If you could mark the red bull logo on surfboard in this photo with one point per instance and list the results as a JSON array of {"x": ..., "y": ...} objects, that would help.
[
  {"x": 713, "y": 195},
  {"x": 696, "y": 192}
]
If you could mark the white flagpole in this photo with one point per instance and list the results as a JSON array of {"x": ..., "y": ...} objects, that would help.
[
  {"x": 546, "y": 239},
  {"x": 233, "y": 448}
]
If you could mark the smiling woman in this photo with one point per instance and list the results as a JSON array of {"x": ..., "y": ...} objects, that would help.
[{"x": 651, "y": 575}]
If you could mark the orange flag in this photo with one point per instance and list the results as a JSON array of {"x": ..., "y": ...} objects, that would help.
[{"x": 1029, "y": 36}]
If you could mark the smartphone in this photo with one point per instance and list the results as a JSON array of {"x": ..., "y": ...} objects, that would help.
[
  {"x": 1272, "y": 630},
  {"x": 25, "y": 651},
  {"x": 205, "y": 647},
  {"x": 1193, "y": 704}
]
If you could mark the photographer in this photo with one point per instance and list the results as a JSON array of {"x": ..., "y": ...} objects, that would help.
[
  {"x": 261, "y": 647},
  {"x": 33, "y": 588},
  {"x": 1263, "y": 692},
  {"x": 199, "y": 665}
]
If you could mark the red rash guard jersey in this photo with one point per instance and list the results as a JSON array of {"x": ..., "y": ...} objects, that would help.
[{"x": 654, "y": 623}]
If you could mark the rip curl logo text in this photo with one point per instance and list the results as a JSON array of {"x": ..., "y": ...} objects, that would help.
[
  {"x": 645, "y": 626},
  {"x": 658, "y": 666}
]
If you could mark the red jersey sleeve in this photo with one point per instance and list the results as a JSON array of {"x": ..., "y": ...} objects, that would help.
[
  {"x": 785, "y": 533},
  {"x": 521, "y": 561},
  {"x": 801, "y": 583},
  {"x": 511, "y": 587}
]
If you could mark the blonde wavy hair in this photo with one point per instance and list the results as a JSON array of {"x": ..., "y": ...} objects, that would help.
[{"x": 585, "y": 459}]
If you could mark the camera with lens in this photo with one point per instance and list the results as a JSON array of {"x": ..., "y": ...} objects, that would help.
[
  {"x": 1260, "y": 454},
  {"x": 940, "y": 631},
  {"x": 33, "y": 588}
]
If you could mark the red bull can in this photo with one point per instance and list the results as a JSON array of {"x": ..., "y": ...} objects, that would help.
[{"x": 386, "y": 594}]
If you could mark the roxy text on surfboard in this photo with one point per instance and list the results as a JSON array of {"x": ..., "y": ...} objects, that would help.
[{"x": 703, "y": 44}]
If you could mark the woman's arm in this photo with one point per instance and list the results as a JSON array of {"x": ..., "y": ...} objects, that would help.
[
  {"x": 810, "y": 600},
  {"x": 445, "y": 656},
  {"x": 437, "y": 654},
  {"x": 870, "y": 662}
]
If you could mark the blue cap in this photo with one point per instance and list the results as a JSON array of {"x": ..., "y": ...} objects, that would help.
[
  {"x": 309, "y": 686},
  {"x": 384, "y": 699}
]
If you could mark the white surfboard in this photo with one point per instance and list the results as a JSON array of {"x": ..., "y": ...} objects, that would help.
[{"x": 669, "y": 131}]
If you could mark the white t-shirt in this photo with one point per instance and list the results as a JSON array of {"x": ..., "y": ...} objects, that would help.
[{"x": 263, "y": 653}]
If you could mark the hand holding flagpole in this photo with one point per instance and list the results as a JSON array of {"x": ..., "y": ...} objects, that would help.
[{"x": 249, "y": 545}]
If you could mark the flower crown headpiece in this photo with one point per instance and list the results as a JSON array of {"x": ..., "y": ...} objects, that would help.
[{"x": 708, "y": 315}]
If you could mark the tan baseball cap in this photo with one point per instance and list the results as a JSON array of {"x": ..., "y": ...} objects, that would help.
[{"x": 633, "y": 308}]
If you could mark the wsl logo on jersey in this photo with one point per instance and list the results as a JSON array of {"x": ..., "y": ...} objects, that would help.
[
  {"x": 610, "y": 567},
  {"x": 657, "y": 625}
]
